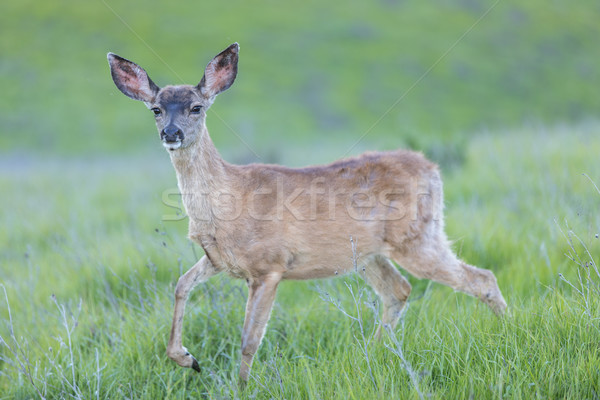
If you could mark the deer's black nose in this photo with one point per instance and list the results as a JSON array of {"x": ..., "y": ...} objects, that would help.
[{"x": 171, "y": 134}]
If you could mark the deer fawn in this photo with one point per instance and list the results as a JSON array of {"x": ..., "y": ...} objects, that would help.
[{"x": 265, "y": 223}]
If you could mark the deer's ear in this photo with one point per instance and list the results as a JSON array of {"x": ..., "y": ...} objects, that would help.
[
  {"x": 220, "y": 72},
  {"x": 131, "y": 79}
]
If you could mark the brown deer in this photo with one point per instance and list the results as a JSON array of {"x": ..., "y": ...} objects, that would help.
[{"x": 265, "y": 223}]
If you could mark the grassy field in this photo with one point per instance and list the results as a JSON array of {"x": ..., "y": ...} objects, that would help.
[
  {"x": 89, "y": 268},
  {"x": 305, "y": 69},
  {"x": 502, "y": 94}
]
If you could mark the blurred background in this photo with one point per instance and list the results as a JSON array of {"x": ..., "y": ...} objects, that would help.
[
  {"x": 314, "y": 76},
  {"x": 503, "y": 94}
]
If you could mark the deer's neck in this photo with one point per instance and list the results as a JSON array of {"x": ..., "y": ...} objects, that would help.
[{"x": 201, "y": 176}]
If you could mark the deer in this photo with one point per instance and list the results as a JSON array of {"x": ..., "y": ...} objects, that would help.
[{"x": 265, "y": 223}]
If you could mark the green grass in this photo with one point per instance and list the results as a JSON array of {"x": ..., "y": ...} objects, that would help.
[
  {"x": 308, "y": 71},
  {"x": 91, "y": 233},
  {"x": 510, "y": 111}
]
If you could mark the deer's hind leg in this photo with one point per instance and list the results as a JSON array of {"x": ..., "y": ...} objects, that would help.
[
  {"x": 391, "y": 287},
  {"x": 200, "y": 272},
  {"x": 433, "y": 259}
]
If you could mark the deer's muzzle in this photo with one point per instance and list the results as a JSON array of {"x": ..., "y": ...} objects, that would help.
[{"x": 171, "y": 134}]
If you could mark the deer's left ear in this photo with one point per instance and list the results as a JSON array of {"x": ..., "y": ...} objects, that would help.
[
  {"x": 220, "y": 73},
  {"x": 131, "y": 79}
]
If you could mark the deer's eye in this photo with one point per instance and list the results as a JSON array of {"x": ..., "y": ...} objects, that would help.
[
  {"x": 196, "y": 109},
  {"x": 156, "y": 111}
]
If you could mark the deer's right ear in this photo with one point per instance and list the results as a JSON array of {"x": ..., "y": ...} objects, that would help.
[{"x": 131, "y": 79}]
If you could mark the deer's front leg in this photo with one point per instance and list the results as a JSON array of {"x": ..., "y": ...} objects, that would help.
[
  {"x": 261, "y": 295},
  {"x": 200, "y": 272}
]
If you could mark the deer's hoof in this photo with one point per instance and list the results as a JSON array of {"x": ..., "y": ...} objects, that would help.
[{"x": 195, "y": 365}]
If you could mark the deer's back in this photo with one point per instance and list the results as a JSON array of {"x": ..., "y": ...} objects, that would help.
[{"x": 301, "y": 220}]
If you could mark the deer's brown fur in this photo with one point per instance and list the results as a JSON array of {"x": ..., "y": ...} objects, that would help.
[{"x": 265, "y": 223}]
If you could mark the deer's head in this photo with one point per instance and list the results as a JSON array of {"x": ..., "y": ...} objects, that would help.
[{"x": 179, "y": 111}]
